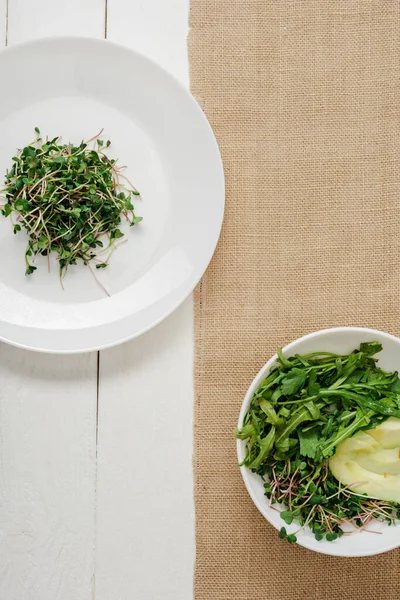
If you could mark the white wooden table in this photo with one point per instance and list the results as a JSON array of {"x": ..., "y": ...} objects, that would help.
[{"x": 96, "y": 494}]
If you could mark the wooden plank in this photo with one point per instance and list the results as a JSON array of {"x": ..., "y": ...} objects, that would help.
[
  {"x": 156, "y": 28},
  {"x": 30, "y": 19},
  {"x": 145, "y": 514},
  {"x": 48, "y": 407},
  {"x": 47, "y": 475},
  {"x": 3, "y": 22}
]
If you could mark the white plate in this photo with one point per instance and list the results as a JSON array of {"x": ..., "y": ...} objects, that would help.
[
  {"x": 340, "y": 340},
  {"x": 73, "y": 87}
]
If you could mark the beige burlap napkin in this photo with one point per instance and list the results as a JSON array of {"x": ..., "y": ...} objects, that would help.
[{"x": 303, "y": 96}]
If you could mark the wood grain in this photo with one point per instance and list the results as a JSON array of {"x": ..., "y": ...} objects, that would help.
[
  {"x": 156, "y": 28},
  {"x": 3, "y": 22},
  {"x": 48, "y": 408},
  {"x": 30, "y": 19},
  {"x": 47, "y": 475},
  {"x": 143, "y": 529},
  {"x": 145, "y": 534}
]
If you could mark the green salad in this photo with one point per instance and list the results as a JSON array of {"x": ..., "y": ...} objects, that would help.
[{"x": 323, "y": 431}]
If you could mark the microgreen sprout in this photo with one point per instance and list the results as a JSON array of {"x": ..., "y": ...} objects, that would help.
[{"x": 70, "y": 199}]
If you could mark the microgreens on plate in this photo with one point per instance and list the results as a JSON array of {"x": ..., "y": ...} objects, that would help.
[{"x": 70, "y": 199}]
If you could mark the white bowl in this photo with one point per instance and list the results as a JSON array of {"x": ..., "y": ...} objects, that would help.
[{"x": 341, "y": 340}]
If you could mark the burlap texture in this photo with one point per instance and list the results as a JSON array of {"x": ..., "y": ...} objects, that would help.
[{"x": 303, "y": 96}]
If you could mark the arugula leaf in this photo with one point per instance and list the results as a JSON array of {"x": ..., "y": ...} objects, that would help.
[
  {"x": 293, "y": 381},
  {"x": 395, "y": 387},
  {"x": 379, "y": 407},
  {"x": 355, "y": 377},
  {"x": 313, "y": 410},
  {"x": 370, "y": 348},
  {"x": 313, "y": 386},
  {"x": 269, "y": 410},
  {"x": 265, "y": 445},
  {"x": 345, "y": 431},
  {"x": 246, "y": 431},
  {"x": 284, "y": 361}
]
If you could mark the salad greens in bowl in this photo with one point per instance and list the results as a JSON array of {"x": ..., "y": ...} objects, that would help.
[{"x": 318, "y": 441}]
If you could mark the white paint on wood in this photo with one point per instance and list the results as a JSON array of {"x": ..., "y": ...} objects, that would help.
[
  {"x": 145, "y": 518},
  {"x": 30, "y": 19},
  {"x": 143, "y": 529},
  {"x": 156, "y": 28},
  {"x": 3, "y": 22},
  {"x": 47, "y": 412},
  {"x": 47, "y": 475}
]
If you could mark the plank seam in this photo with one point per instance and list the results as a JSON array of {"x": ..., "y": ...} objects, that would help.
[
  {"x": 96, "y": 478},
  {"x": 6, "y": 25}
]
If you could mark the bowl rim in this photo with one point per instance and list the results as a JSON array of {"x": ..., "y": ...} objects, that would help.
[{"x": 263, "y": 508}]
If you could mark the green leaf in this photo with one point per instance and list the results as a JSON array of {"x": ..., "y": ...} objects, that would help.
[
  {"x": 247, "y": 431},
  {"x": 269, "y": 410},
  {"x": 287, "y": 516},
  {"x": 293, "y": 381},
  {"x": 21, "y": 205},
  {"x": 42, "y": 242},
  {"x": 19, "y": 184},
  {"x": 282, "y": 447},
  {"x": 345, "y": 431},
  {"x": 117, "y": 233},
  {"x": 7, "y": 210},
  {"x": 302, "y": 415},
  {"x": 265, "y": 444},
  {"x": 395, "y": 386},
  {"x": 309, "y": 442},
  {"x": 30, "y": 269},
  {"x": 276, "y": 394},
  {"x": 313, "y": 386},
  {"x": 282, "y": 533},
  {"x": 370, "y": 348},
  {"x": 316, "y": 499},
  {"x": 313, "y": 410},
  {"x": 284, "y": 412},
  {"x": 284, "y": 361},
  {"x": 380, "y": 407}
]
